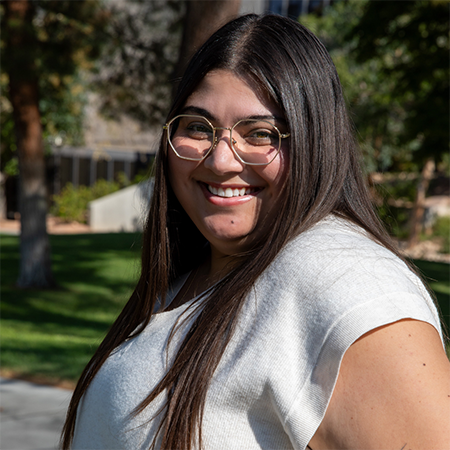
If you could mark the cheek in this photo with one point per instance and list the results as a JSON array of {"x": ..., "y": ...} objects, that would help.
[
  {"x": 172, "y": 165},
  {"x": 176, "y": 172},
  {"x": 179, "y": 176},
  {"x": 276, "y": 173}
]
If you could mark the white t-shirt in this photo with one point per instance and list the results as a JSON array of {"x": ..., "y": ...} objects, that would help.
[{"x": 325, "y": 289}]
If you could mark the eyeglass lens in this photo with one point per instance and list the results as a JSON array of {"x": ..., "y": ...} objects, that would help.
[{"x": 255, "y": 141}]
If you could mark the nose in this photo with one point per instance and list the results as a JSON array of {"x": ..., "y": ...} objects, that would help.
[{"x": 222, "y": 158}]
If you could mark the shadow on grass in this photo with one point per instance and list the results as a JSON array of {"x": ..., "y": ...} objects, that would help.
[
  {"x": 91, "y": 277},
  {"x": 50, "y": 362},
  {"x": 56, "y": 331}
]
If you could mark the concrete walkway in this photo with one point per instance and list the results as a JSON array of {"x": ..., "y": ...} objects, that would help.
[{"x": 31, "y": 415}]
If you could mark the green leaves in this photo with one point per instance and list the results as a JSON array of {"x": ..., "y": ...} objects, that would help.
[
  {"x": 72, "y": 203},
  {"x": 393, "y": 61},
  {"x": 61, "y": 38},
  {"x": 411, "y": 44},
  {"x": 376, "y": 117}
]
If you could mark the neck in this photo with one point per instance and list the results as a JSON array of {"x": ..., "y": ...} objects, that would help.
[
  {"x": 219, "y": 264},
  {"x": 205, "y": 275}
]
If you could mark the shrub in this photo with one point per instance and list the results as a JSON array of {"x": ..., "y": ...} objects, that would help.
[
  {"x": 71, "y": 204},
  {"x": 441, "y": 229},
  {"x": 394, "y": 199},
  {"x": 396, "y": 220}
]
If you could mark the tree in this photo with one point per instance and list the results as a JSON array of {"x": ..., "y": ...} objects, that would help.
[
  {"x": 148, "y": 47},
  {"x": 202, "y": 19},
  {"x": 410, "y": 40},
  {"x": 8, "y": 160},
  {"x": 377, "y": 116},
  {"x": 393, "y": 64},
  {"x": 137, "y": 61},
  {"x": 44, "y": 43},
  {"x": 41, "y": 39}
]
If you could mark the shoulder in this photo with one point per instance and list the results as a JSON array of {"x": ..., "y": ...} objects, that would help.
[
  {"x": 393, "y": 391},
  {"x": 326, "y": 289},
  {"x": 357, "y": 282},
  {"x": 335, "y": 245},
  {"x": 335, "y": 268}
]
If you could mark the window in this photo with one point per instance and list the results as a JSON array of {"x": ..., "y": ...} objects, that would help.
[{"x": 295, "y": 8}]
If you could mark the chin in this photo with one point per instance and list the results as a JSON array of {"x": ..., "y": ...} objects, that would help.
[
  {"x": 232, "y": 243},
  {"x": 228, "y": 233}
]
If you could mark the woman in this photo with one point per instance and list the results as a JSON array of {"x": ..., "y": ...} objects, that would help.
[{"x": 272, "y": 311}]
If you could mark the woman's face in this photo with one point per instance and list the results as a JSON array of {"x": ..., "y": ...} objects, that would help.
[{"x": 230, "y": 224}]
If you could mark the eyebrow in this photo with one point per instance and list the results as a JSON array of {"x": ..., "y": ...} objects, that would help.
[{"x": 203, "y": 112}]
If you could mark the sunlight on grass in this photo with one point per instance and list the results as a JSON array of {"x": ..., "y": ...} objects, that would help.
[
  {"x": 440, "y": 287},
  {"x": 437, "y": 276}
]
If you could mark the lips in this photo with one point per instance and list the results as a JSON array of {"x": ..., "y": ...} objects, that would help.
[{"x": 229, "y": 192}]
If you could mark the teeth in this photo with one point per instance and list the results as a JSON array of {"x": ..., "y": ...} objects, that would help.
[{"x": 229, "y": 192}]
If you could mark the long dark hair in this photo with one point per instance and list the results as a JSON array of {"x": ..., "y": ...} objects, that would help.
[{"x": 287, "y": 62}]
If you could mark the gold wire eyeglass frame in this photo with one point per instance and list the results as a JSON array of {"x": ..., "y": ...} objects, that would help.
[{"x": 215, "y": 139}]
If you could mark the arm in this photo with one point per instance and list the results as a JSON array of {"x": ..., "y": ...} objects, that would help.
[{"x": 393, "y": 392}]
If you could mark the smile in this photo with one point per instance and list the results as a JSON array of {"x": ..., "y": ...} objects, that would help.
[{"x": 230, "y": 192}]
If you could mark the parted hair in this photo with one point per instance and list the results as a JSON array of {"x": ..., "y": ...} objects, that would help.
[{"x": 289, "y": 64}]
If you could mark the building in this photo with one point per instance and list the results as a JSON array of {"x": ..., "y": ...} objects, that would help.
[
  {"x": 112, "y": 147},
  {"x": 289, "y": 8}
]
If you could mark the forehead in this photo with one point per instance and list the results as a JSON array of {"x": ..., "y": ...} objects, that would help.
[{"x": 226, "y": 96}]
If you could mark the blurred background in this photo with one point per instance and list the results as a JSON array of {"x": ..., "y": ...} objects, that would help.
[{"x": 85, "y": 87}]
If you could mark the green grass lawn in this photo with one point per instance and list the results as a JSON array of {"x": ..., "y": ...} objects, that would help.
[{"x": 49, "y": 335}]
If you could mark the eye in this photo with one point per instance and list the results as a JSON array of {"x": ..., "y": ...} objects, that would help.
[
  {"x": 261, "y": 134},
  {"x": 198, "y": 130},
  {"x": 261, "y": 137},
  {"x": 199, "y": 127}
]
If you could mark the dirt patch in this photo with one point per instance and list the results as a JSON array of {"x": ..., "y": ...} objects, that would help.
[
  {"x": 54, "y": 226},
  {"x": 428, "y": 250},
  {"x": 38, "y": 379}
]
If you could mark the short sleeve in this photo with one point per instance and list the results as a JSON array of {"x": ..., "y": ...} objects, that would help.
[{"x": 329, "y": 287}]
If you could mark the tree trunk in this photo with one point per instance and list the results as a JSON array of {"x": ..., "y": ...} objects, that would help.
[
  {"x": 418, "y": 208},
  {"x": 35, "y": 262},
  {"x": 202, "y": 19},
  {"x": 2, "y": 196}
]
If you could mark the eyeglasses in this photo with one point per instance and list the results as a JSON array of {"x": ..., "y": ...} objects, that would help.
[{"x": 255, "y": 142}]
